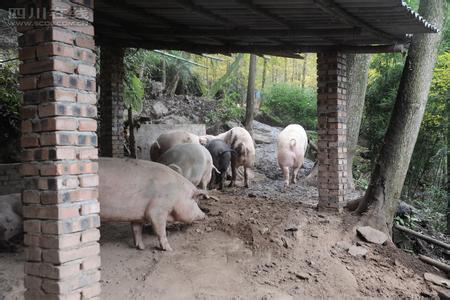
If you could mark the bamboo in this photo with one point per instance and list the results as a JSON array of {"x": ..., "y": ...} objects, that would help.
[
  {"x": 435, "y": 263},
  {"x": 423, "y": 237}
]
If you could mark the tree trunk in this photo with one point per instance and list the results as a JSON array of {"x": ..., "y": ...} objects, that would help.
[
  {"x": 164, "y": 75},
  {"x": 264, "y": 72},
  {"x": 304, "y": 71},
  {"x": 382, "y": 196},
  {"x": 172, "y": 85},
  {"x": 357, "y": 75},
  {"x": 131, "y": 129},
  {"x": 285, "y": 69},
  {"x": 250, "y": 108}
]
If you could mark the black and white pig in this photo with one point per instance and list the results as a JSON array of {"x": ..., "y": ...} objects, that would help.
[{"x": 221, "y": 155}]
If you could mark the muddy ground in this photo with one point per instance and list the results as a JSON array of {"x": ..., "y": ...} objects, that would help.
[{"x": 257, "y": 243}]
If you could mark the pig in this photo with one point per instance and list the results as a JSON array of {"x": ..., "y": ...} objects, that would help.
[
  {"x": 291, "y": 150},
  {"x": 221, "y": 155},
  {"x": 241, "y": 142},
  {"x": 139, "y": 191},
  {"x": 192, "y": 161},
  {"x": 167, "y": 140},
  {"x": 10, "y": 219}
]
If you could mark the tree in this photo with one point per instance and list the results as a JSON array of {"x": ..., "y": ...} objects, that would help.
[
  {"x": 250, "y": 108},
  {"x": 264, "y": 72},
  {"x": 304, "y": 71},
  {"x": 357, "y": 75},
  {"x": 382, "y": 196}
]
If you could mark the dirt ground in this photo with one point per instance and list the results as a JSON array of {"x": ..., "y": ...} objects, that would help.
[
  {"x": 250, "y": 247},
  {"x": 257, "y": 243}
]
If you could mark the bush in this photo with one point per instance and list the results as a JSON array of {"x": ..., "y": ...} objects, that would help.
[
  {"x": 287, "y": 104},
  {"x": 228, "y": 110}
]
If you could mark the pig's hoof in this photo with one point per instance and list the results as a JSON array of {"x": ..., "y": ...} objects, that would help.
[
  {"x": 167, "y": 248},
  {"x": 140, "y": 246}
]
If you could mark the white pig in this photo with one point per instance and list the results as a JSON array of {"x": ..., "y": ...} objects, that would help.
[
  {"x": 139, "y": 192},
  {"x": 169, "y": 139},
  {"x": 193, "y": 161},
  {"x": 291, "y": 150}
]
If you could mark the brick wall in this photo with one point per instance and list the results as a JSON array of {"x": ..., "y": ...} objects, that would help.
[
  {"x": 10, "y": 179},
  {"x": 332, "y": 134},
  {"x": 111, "y": 102},
  {"x": 60, "y": 211}
]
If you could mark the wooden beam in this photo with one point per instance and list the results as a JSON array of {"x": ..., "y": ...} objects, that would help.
[
  {"x": 252, "y": 48},
  {"x": 193, "y": 7},
  {"x": 243, "y": 33},
  {"x": 264, "y": 12},
  {"x": 423, "y": 237},
  {"x": 330, "y": 7}
]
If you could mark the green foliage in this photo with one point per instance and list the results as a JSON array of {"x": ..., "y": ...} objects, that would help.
[
  {"x": 226, "y": 78},
  {"x": 228, "y": 109},
  {"x": 133, "y": 92},
  {"x": 9, "y": 75},
  {"x": 287, "y": 103},
  {"x": 384, "y": 78}
]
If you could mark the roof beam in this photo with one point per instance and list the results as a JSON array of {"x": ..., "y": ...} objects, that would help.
[
  {"x": 252, "y": 48},
  {"x": 246, "y": 33},
  {"x": 191, "y": 6},
  {"x": 263, "y": 12},
  {"x": 331, "y": 8}
]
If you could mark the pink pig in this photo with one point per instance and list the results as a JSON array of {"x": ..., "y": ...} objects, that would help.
[{"x": 291, "y": 150}]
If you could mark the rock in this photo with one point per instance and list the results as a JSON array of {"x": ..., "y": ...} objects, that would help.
[
  {"x": 404, "y": 209},
  {"x": 264, "y": 230},
  {"x": 159, "y": 109},
  {"x": 372, "y": 235},
  {"x": 174, "y": 119},
  {"x": 314, "y": 235},
  {"x": 344, "y": 245},
  {"x": 357, "y": 251},
  {"x": 301, "y": 275},
  {"x": 438, "y": 280}
]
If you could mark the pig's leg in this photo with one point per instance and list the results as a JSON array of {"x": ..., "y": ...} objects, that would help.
[
  {"x": 286, "y": 176},
  {"x": 294, "y": 175},
  {"x": 159, "y": 221},
  {"x": 246, "y": 176},
  {"x": 222, "y": 180},
  {"x": 137, "y": 235},
  {"x": 233, "y": 173}
]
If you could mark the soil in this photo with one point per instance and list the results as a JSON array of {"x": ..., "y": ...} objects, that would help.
[{"x": 257, "y": 243}]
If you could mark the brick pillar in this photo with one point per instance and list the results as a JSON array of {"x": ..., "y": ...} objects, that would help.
[
  {"x": 61, "y": 212},
  {"x": 111, "y": 102},
  {"x": 332, "y": 115}
]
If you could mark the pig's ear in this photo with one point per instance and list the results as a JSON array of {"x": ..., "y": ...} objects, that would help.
[
  {"x": 200, "y": 194},
  {"x": 175, "y": 168}
]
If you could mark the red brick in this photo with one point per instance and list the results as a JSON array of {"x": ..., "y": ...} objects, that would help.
[
  {"x": 32, "y": 226},
  {"x": 33, "y": 254},
  {"x": 87, "y": 194},
  {"x": 62, "y": 241},
  {"x": 63, "y": 256},
  {"x": 33, "y": 282},
  {"x": 28, "y": 83},
  {"x": 57, "y": 183},
  {"x": 61, "y": 35},
  {"x": 89, "y": 98},
  {"x": 32, "y": 240},
  {"x": 91, "y": 235},
  {"x": 87, "y": 153},
  {"x": 31, "y": 196},
  {"x": 29, "y": 169},
  {"x": 29, "y": 141},
  {"x": 59, "y": 123},
  {"x": 28, "y": 112},
  {"x": 90, "y": 208},
  {"x": 86, "y": 70},
  {"x": 92, "y": 262},
  {"x": 53, "y": 49},
  {"x": 27, "y": 53},
  {"x": 87, "y": 124},
  {"x": 85, "y": 42},
  {"x": 87, "y": 3},
  {"x": 65, "y": 153},
  {"x": 26, "y": 127},
  {"x": 87, "y": 167},
  {"x": 91, "y": 291},
  {"x": 88, "y": 180},
  {"x": 51, "y": 212},
  {"x": 71, "y": 225}
]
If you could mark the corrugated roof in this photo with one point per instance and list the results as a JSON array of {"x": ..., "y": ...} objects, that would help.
[{"x": 258, "y": 25}]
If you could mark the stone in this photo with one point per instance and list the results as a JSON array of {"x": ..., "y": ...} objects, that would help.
[
  {"x": 344, "y": 245},
  {"x": 159, "y": 109},
  {"x": 372, "y": 235},
  {"x": 301, "y": 275},
  {"x": 357, "y": 251}
]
